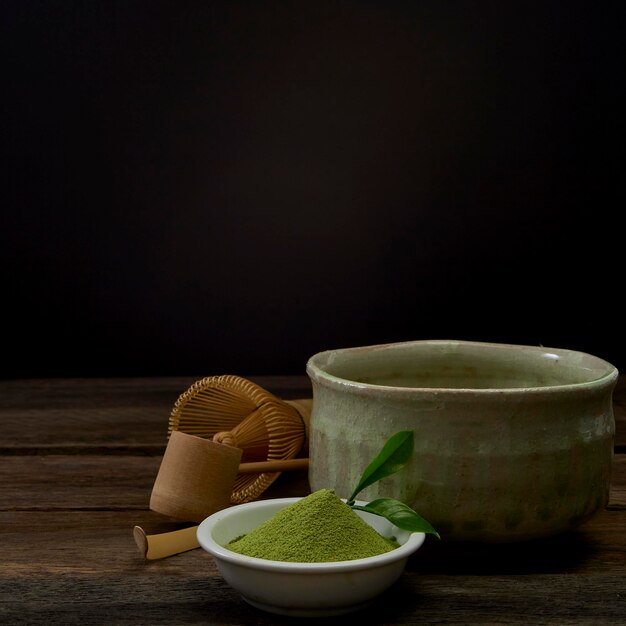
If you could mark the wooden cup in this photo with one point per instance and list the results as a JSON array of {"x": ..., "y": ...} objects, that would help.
[{"x": 195, "y": 478}]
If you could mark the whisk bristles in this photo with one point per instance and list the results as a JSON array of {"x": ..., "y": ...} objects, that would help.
[{"x": 215, "y": 403}]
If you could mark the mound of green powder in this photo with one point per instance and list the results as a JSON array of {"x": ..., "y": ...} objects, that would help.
[{"x": 316, "y": 529}]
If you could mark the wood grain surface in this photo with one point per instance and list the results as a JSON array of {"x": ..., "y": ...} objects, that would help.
[{"x": 77, "y": 462}]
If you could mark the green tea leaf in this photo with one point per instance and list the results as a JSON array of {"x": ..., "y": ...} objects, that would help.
[
  {"x": 395, "y": 454},
  {"x": 398, "y": 513}
]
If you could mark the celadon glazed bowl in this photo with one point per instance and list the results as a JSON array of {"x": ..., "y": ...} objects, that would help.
[
  {"x": 302, "y": 589},
  {"x": 511, "y": 442}
]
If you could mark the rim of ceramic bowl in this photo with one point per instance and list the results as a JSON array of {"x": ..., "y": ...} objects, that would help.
[
  {"x": 205, "y": 539},
  {"x": 318, "y": 374}
]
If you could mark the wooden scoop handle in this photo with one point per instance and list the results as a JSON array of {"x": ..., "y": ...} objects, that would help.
[
  {"x": 162, "y": 545},
  {"x": 165, "y": 544},
  {"x": 280, "y": 465}
]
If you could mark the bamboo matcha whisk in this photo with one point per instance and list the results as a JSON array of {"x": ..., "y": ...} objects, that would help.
[
  {"x": 218, "y": 422},
  {"x": 235, "y": 411}
]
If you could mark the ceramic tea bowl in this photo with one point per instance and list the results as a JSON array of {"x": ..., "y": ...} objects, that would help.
[
  {"x": 302, "y": 589},
  {"x": 511, "y": 442}
]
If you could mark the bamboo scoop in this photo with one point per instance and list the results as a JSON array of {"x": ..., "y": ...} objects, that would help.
[
  {"x": 162, "y": 545},
  {"x": 196, "y": 474},
  {"x": 195, "y": 479}
]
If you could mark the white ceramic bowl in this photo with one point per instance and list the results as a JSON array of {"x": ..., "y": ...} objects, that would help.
[{"x": 302, "y": 589}]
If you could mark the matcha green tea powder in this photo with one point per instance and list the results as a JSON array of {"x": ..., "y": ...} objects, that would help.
[{"x": 316, "y": 529}]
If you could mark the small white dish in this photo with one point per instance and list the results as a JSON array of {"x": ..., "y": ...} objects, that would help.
[{"x": 302, "y": 589}]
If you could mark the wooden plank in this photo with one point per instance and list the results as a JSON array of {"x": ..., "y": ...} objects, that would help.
[
  {"x": 100, "y": 543},
  {"x": 41, "y": 483},
  {"x": 130, "y": 415},
  {"x": 71, "y": 412},
  {"x": 125, "y": 482},
  {"x": 123, "y": 414},
  {"x": 75, "y": 566},
  {"x": 618, "y": 483},
  {"x": 84, "y": 567},
  {"x": 80, "y": 545},
  {"x": 76, "y": 481},
  {"x": 92, "y": 543},
  {"x": 598, "y": 545},
  {"x": 154, "y": 598}
]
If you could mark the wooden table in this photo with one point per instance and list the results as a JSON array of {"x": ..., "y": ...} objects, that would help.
[{"x": 78, "y": 461}]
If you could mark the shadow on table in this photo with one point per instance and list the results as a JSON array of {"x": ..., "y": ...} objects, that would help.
[{"x": 556, "y": 554}]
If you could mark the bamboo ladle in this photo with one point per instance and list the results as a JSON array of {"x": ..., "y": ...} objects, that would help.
[{"x": 162, "y": 545}]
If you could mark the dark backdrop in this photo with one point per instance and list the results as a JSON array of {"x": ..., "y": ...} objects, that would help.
[{"x": 229, "y": 187}]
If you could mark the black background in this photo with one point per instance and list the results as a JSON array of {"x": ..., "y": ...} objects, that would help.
[{"x": 229, "y": 187}]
